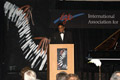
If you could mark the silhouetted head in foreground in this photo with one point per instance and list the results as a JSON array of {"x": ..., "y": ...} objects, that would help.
[
  {"x": 61, "y": 76},
  {"x": 72, "y": 77},
  {"x": 115, "y": 76}
]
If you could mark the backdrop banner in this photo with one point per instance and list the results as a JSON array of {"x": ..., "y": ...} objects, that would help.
[{"x": 85, "y": 19}]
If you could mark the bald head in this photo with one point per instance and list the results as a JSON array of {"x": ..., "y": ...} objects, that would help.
[{"x": 115, "y": 76}]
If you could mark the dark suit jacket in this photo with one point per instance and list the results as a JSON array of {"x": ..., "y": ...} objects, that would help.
[{"x": 56, "y": 38}]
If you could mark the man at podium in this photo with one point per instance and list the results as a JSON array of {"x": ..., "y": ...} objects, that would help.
[{"x": 62, "y": 36}]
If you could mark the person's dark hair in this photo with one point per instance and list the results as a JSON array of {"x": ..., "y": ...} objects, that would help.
[
  {"x": 61, "y": 76},
  {"x": 72, "y": 75},
  {"x": 61, "y": 24},
  {"x": 115, "y": 76}
]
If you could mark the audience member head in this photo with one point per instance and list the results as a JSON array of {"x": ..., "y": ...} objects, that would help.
[
  {"x": 115, "y": 76},
  {"x": 30, "y": 75},
  {"x": 23, "y": 71},
  {"x": 61, "y": 76},
  {"x": 72, "y": 77},
  {"x": 61, "y": 27}
]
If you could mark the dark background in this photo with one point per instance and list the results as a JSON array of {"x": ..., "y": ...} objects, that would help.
[{"x": 84, "y": 39}]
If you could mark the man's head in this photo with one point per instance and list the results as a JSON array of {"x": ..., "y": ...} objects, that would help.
[
  {"x": 72, "y": 77},
  {"x": 23, "y": 71},
  {"x": 30, "y": 75},
  {"x": 61, "y": 76},
  {"x": 115, "y": 76},
  {"x": 61, "y": 27}
]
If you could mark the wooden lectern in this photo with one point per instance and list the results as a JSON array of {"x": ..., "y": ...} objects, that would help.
[{"x": 60, "y": 58}]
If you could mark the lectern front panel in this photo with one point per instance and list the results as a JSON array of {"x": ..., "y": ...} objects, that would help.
[{"x": 61, "y": 58}]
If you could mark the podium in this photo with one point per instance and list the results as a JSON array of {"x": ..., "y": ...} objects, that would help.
[{"x": 60, "y": 58}]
